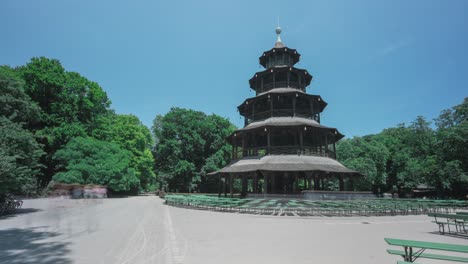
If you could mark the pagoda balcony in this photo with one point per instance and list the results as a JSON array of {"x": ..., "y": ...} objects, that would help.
[
  {"x": 283, "y": 150},
  {"x": 280, "y": 84},
  {"x": 280, "y": 113}
]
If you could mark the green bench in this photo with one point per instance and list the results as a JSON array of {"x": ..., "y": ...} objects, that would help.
[
  {"x": 413, "y": 250},
  {"x": 458, "y": 220}
]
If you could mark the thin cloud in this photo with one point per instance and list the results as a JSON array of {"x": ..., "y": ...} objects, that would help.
[{"x": 393, "y": 47}]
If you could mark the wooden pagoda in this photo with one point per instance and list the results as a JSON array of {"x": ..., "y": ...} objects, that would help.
[{"x": 283, "y": 142}]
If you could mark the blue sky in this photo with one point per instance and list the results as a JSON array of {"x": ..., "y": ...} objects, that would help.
[{"x": 376, "y": 63}]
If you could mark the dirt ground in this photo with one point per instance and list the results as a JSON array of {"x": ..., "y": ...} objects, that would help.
[{"x": 144, "y": 230}]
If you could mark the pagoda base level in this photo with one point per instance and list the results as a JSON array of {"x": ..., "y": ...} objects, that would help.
[{"x": 316, "y": 195}]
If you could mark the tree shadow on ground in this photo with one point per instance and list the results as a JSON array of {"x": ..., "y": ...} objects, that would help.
[
  {"x": 19, "y": 211},
  {"x": 31, "y": 245}
]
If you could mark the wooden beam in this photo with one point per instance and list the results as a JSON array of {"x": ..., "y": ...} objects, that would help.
[
  {"x": 231, "y": 191},
  {"x": 341, "y": 182},
  {"x": 220, "y": 186}
]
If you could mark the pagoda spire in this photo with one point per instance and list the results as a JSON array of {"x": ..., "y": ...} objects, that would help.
[{"x": 278, "y": 43}]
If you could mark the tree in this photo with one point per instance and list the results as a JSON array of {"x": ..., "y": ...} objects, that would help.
[
  {"x": 368, "y": 156},
  {"x": 16, "y": 104},
  {"x": 91, "y": 161},
  {"x": 19, "y": 159},
  {"x": 132, "y": 135},
  {"x": 452, "y": 150},
  {"x": 19, "y": 150},
  {"x": 69, "y": 104},
  {"x": 190, "y": 144}
]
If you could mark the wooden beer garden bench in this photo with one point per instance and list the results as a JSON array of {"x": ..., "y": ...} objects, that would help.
[
  {"x": 458, "y": 220},
  {"x": 413, "y": 250}
]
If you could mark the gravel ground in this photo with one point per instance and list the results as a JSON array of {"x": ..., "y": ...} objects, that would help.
[{"x": 144, "y": 230}]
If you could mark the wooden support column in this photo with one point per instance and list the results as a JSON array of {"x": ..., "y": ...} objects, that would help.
[
  {"x": 231, "y": 190},
  {"x": 244, "y": 151},
  {"x": 295, "y": 183},
  {"x": 244, "y": 185},
  {"x": 312, "y": 112},
  {"x": 220, "y": 185},
  {"x": 326, "y": 145},
  {"x": 273, "y": 183},
  {"x": 289, "y": 77},
  {"x": 253, "y": 110},
  {"x": 351, "y": 184},
  {"x": 299, "y": 79},
  {"x": 268, "y": 142},
  {"x": 322, "y": 186},
  {"x": 265, "y": 183},
  {"x": 334, "y": 149},
  {"x": 255, "y": 183},
  {"x": 274, "y": 80},
  {"x": 294, "y": 105},
  {"x": 301, "y": 141},
  {"x": 316, "y": 182},
  {"x": 341, "y": 182},
  {"x": 271, "y": 106},
  {"x": 309, "y": 183},
  {"x": 225, "y": 185}
]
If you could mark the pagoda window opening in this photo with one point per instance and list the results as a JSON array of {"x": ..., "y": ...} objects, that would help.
[
  {"x": 293, "y": 80},
  {"x": 303, "y": 107},
  {"x": 282, "y": 142},
  {"x": 281, "y": 79},
  {"x": 282, "y": 105},
  {"x": 262, "y": 109},
  {"x": 268, "y": 82}
]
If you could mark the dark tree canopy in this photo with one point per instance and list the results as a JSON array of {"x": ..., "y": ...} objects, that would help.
[
  {"x": 19, "y": 159},
  {"x": 132, "y": 135},
  {"x": 189, "y": 144},
  {"x": 69, "y": 104},
  {"x": 92, "y": 161}
]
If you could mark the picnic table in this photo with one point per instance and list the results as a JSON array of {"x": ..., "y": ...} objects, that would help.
[{"x": 415, "y": 249}]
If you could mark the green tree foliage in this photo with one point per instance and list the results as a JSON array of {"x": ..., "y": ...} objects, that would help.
[
  {"x": 403, "y": 157},
  {"x": 19, "y": 156},
  {"x": 92, "y": 161},
  {"x": 69, "y": 106},
  {"x": 16, "y": 104},
  {"x": 19, "y": 150},
  {"x": 368, "y": 156},
  {"x": 132, "y": 135},
  {"x": 452, "y": 149},
  {"x": 190, "y": 144}
]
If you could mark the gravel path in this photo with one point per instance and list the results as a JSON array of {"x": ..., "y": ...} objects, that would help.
[{"x": 144, "y": 230}]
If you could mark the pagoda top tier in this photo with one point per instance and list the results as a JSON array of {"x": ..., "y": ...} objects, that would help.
[{"x": 279, "y": 55}]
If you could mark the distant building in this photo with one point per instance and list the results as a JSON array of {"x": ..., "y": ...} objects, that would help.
[{"x": 283, "y": 142}]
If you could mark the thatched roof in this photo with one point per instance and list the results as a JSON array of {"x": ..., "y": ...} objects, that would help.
[{"x": 286, "y": 163}]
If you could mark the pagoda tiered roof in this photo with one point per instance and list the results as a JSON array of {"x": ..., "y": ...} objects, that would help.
[{"x": 286, "y": 163}]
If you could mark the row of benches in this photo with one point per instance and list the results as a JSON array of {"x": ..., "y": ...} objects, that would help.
[
  {"x": 458, "y": 220},
  {"x": 375, "y": 207},
  {"x": 413, "y": 250}
]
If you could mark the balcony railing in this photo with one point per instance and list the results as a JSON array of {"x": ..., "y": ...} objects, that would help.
[
  {"x": 282, "y": 84},
  {"x": 284, "y": 150},
  {"x": 279, "y": 113}
]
